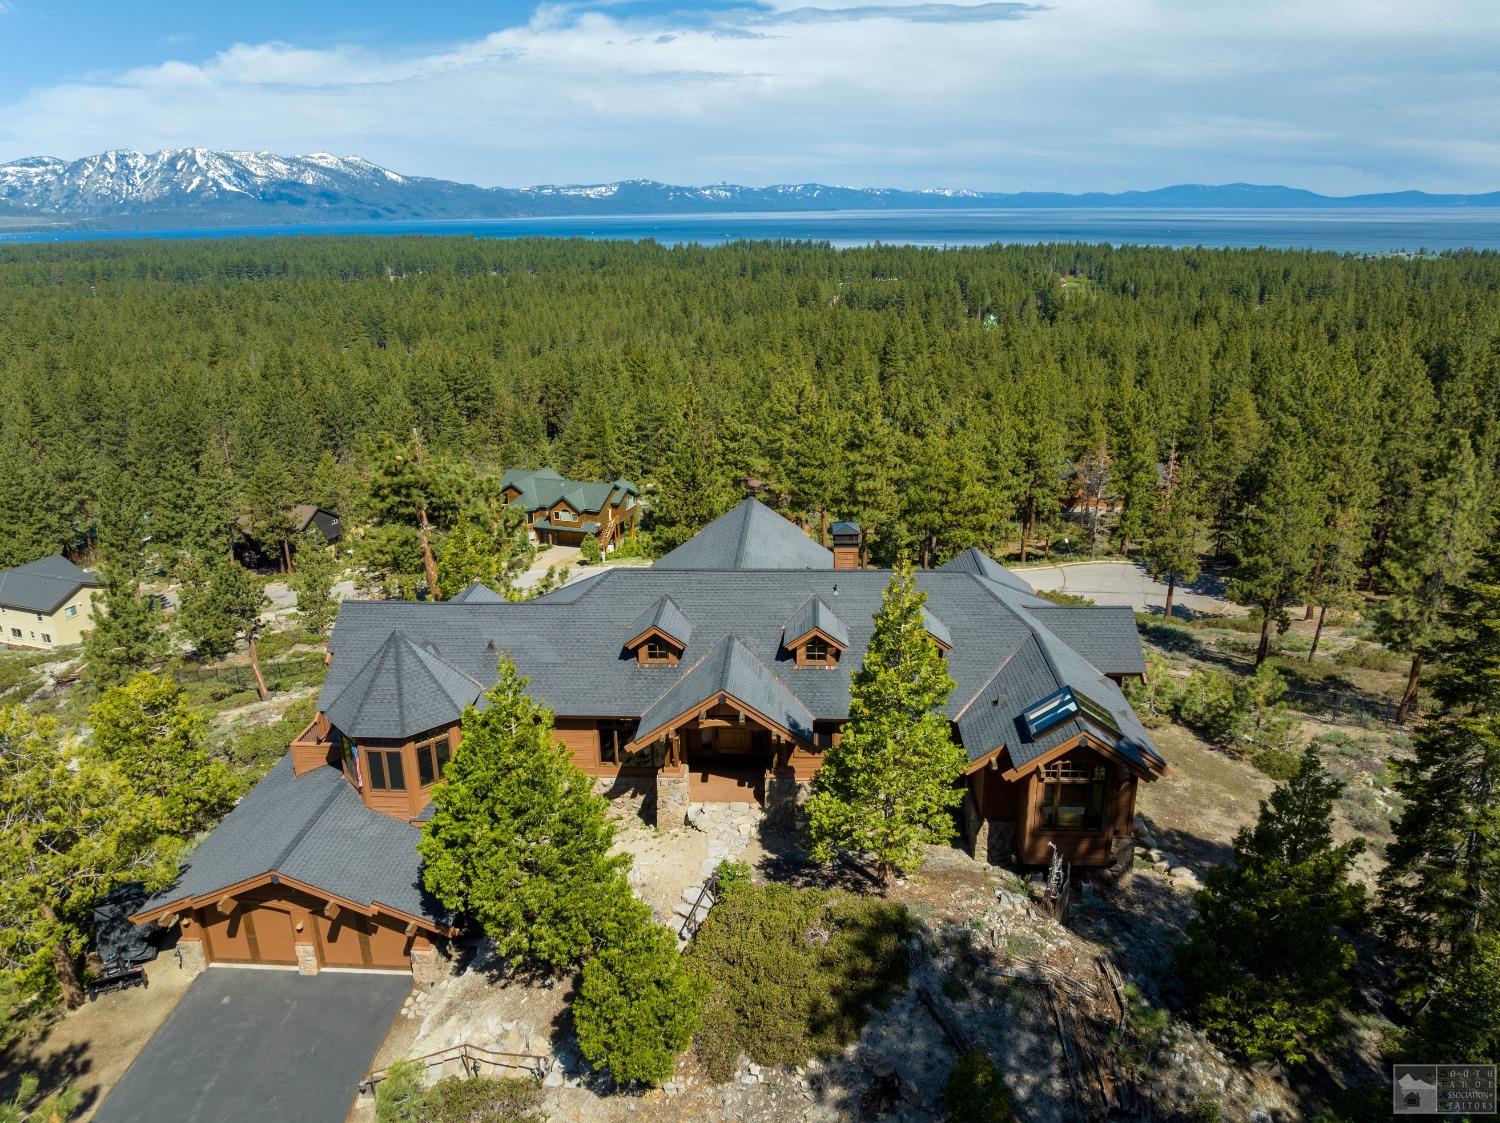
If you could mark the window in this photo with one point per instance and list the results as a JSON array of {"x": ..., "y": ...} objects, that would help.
[
  {"x": 657, "y": 651},
  {"x": 431, "y": 757},
  {"x": 1073, "y": 796},
  {"x": 387, "y": 774},
  {"x": 15, "y": 633},
  {"x": 46, "y": 638},
  {"x": 71, "y": 611},
  {"x": 613, "y": 737},
  {"x": 817, "y": 653}
]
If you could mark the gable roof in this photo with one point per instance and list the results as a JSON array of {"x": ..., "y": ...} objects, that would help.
[
  {"x": 43, "y": 585},
  {"x": 814, "y": 614},
  {"x": 729, "y": 668},
  {"x": 306, "y": 827},
  {"x": 665, "y": 617},
  {"x": 476, "y": 592},
  {"x": 542, "y": 489},
  {"x": 751, "y": 536},
  {"x": 1010, "y": 650},
  {"x": 975, "y": 561},
  {"x": 402, "y": 690}
]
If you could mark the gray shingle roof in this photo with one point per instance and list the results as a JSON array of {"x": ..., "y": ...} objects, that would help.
[
  {"x": 980, "y": 564},
  {"x": 751, "y": 536},
  {"x": 477, "y": 592},
  {"x": 665, "y": 616},
  {"x": 569, "y": 643},
  {"x": 814, "y": 614},
  {"x": 1105, "y": 635},
  {"x": 729, "y": 668},
  {"x": 308, "y": 827},
  {"x": 42, "y": 585},
  {"x": 936, "y": 628},
  {"x": 401, "y": 690}
]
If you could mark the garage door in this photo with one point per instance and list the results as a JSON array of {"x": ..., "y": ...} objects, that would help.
[
  {"x": 350, "y": 940},
  {"x": 252, "y": 933}
]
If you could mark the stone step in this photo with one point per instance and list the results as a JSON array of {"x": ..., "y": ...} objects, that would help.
[{"x": 691, "y": 893}]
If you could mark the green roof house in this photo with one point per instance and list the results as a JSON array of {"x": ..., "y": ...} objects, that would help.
[{"x": 561, "y": 512}]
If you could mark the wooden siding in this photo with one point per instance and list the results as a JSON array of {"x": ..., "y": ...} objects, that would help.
[
  {"x": 1081, "y": 847},
  {"x": 581, "y": 738}
]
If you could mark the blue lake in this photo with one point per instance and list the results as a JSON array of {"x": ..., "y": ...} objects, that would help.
[{"x": 1356, "y": 231}]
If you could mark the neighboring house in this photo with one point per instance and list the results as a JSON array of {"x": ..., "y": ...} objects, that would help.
[
  {"x": 562, "y": 512},
  {"x": 45, "y": 603},
  {"x": 721, "y": 673},
  {"x": 308, "y": 516},
  {"x": 302, "y": 518}
]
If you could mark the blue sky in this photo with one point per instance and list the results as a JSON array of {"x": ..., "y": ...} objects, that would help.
[{"x": 1336, "y": 95}]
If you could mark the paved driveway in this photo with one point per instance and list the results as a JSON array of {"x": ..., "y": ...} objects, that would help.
[
  {"x": 1116, "y": 582},
  {"x": 245, "y": 1046}
]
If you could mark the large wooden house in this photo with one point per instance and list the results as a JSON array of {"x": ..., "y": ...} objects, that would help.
[
  {"x": 563, "y": 512},
  {"x": 721, "y": 673}
]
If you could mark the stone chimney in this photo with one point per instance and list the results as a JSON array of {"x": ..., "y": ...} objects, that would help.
[{"x": 846, "y": 543}]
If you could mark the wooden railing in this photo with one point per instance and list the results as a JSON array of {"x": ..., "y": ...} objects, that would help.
[{"x": 475, "y": 1061}]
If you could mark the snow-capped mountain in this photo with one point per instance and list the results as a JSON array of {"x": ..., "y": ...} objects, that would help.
[
  {"x": 204, "y": 187},
  {"x": 119, "y": 182}
]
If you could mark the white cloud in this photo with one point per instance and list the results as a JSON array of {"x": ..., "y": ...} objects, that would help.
[{"x": 1342, "y": 95}]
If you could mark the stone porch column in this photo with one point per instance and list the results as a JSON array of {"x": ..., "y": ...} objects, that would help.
[
  {"x": 672, "y": 796},
  {"x": 194, "y": 959}
]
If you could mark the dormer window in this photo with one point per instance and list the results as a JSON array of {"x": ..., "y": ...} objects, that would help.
[
  {"x": 816, "y": 651},
  {"x": 660, "y": 635},
  {"x": 657, "y": 652}
]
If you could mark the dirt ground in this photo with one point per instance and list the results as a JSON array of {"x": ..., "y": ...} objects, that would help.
[{"x": 91, "y": 1047}]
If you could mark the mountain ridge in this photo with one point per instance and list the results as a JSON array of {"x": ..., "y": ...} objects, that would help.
[{"x": 210, "y": 187}]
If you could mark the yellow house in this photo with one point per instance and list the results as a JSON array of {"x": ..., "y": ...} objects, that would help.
[{"x": 45, "y": 603}]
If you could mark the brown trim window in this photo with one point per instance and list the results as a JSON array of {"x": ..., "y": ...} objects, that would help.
[
  {"x": 1073, "y": 796},
  {"x": 658, "y": 653},
  {"x": 613, "y": 737},
  {"x": 818, "y": 653},
  {"x": 432, "y": 756},
  {"x": 387, "y": 772}
]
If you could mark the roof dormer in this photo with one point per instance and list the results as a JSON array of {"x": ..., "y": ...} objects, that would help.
[
  {"x": 814, "y": 636},
  {"x": 660, "y": 634},
  {"x": 938, "y": 631}
]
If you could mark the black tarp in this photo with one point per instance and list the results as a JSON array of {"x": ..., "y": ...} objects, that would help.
[{"x": 115, "y": 938}]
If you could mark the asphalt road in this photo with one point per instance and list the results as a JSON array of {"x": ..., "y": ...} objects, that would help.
[
  {"x": 1117, "y": 582},
  {"x": 246, "y": 1046}
]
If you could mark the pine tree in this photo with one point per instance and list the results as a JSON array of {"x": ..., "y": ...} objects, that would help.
[
  {"x": 410, "y": 488},
  {"x": 1041, "y": 440},
  {"x": 1429, "y": 552},
  {"x": 636, "y": 1007},
  {"x": 693, "y": 487},
  {"x": 122, "y": 637},
  {"x": 871, "y": 463},
  {"x": 315, "y": 572},
  {"x": 1267, "y": 966},
  {"x": 149, "y": 731},
  {"x": 1096, "y": 478},
  {"x": 1234, "y": 442},
  {"x": 1170, "y": 550},
  {"x": 1135, "y": 468},
  {"x": 1275, "y": 539},
  {"x": 74, "y": 829},
  {"x": 1440, "y": 889},
  {"x": 889, "y": 786},
  {"x": 221, "y": 605},
  {"x": 518, "y": 839}
]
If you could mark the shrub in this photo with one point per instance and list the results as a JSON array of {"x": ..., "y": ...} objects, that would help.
[
  {"x": 1207, "y": 704},
  {"x": 483, "y": 1099},
  {"x": 1057, "y": 596},
  {"x": 790, "y": 974},
  {"x": 730, "y": 873},
  {"x": 637, "y": 545},
  {"x": 1205, "y": 1109},
  {"x": 1154, "y": 698},
  {"x": 401, "y": 1098},
  {"x": 976, "y": 1092},
  {"x": 1279, "y": 764},
  {"x": 398, "y": 1098},
  {"x": 589, "y": 552},
  {"x": 636, "y": 1007},
  {"x": 1369, "y": 657}
]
